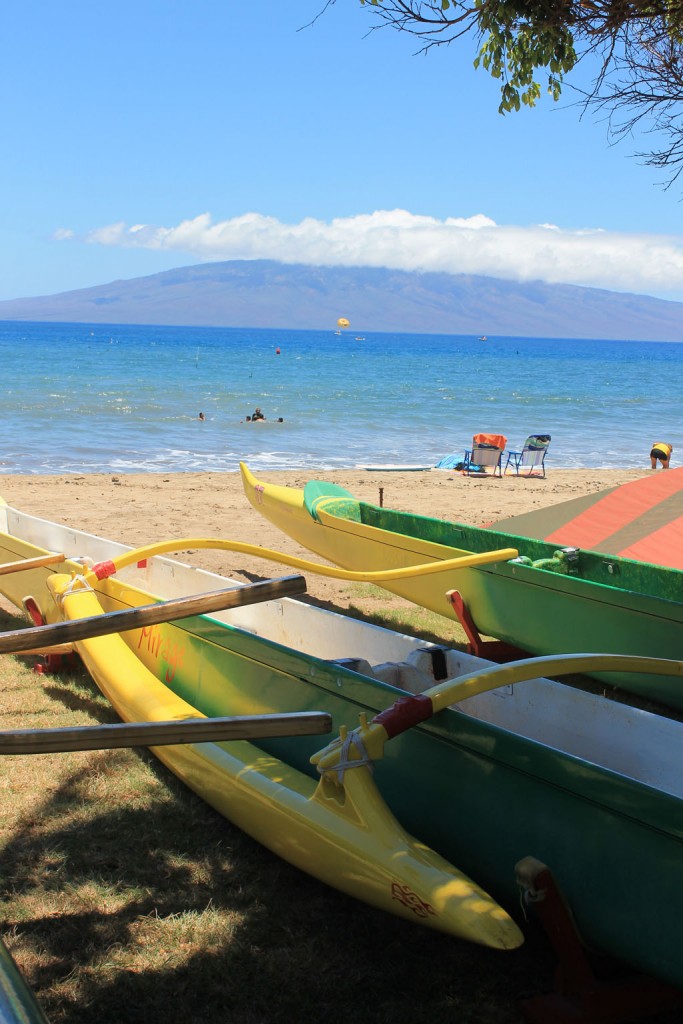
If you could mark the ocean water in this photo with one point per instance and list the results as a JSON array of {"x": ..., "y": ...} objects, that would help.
[{"x": 81, "y": 398}]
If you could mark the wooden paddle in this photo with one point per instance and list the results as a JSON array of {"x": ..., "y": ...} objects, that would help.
[
  {"x": 30, "y": 563},
  {"x": 156, "y": 734},
  {"x": 19, "y": 640}
]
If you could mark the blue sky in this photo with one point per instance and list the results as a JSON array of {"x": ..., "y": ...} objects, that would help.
[{"x": 140, "y": 137}]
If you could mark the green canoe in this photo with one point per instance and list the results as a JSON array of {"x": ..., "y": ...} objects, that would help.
[{"x": 549, "y": 600}]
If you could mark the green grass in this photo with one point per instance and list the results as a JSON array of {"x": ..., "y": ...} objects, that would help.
[
  {"x": 369, "y": 602},
  {"x": 124, "y": 898}
]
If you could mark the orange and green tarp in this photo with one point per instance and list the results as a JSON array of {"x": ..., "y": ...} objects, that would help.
[{"x": 642, "y": 519}]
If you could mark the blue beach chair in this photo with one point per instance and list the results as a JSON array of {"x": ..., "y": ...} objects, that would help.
[{"x": 531, "y": 457}]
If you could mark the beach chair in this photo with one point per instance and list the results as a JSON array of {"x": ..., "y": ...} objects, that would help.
[
  {"x": 486, "y": 455},
  {"x": 531, "y": 457}
]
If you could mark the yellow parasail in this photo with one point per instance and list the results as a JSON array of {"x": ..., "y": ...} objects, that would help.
[{"x": 343, "y": 322}]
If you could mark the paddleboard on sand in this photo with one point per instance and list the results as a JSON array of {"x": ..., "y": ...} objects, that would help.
[{"x": 396, "y": 469}]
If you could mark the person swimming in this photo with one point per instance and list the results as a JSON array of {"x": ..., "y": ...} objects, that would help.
[{"x": 258, "y": 415}]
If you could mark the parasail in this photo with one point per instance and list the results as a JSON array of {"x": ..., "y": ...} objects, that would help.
[{"x": 343, "y": 322}]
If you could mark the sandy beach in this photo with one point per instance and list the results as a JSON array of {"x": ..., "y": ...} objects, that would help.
[{"x": 141, "y": 508}]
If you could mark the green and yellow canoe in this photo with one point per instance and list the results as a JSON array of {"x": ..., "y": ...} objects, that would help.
[{"x": 545, "y": 600}]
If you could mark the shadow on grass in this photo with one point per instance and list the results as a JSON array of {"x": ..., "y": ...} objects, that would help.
[
  {"x": 10, "y": 621},
  {"x": 296, "y": 949},
  {"x": 93, "y": 705},
  {"x": 154, "y": 908}
]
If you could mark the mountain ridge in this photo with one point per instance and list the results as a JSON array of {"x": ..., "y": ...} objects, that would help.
[{"x": 269, "y": 294}]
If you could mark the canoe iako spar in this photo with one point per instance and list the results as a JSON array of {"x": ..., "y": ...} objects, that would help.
[
  {"x": 370, "y": 738},
  {"x": 104, "y": 569}
]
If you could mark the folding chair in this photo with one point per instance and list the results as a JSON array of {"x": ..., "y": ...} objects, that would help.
[
  {"x": 486, "y": 454},
  {"x": 531, "y": 457}
]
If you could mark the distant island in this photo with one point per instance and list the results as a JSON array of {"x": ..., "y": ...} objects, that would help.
[{"x": 265, "y": 293}]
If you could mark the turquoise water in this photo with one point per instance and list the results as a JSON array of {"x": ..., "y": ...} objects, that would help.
[{"x": 79, "y": 398}]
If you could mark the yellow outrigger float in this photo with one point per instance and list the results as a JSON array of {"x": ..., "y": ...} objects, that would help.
[{"x": 341, "y": 832}]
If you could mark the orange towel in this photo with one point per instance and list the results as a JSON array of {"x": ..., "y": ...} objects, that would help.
[{"x": 494, "y": 440}]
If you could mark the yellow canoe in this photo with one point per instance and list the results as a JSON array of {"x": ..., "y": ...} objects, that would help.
[{"x": 355, "y": 545}]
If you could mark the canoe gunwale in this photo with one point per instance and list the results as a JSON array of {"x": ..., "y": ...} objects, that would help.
[{"x": 327, "y": 515}]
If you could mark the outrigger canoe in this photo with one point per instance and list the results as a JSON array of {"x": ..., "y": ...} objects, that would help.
[
  {"x": 545, "y": 600},
  {"x": 18, "y": 1004},
  {"x": 486, "y": 777},
  {"x": 344, "y": 835}
]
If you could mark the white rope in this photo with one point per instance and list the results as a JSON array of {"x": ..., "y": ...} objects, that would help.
[
  {"x": 76, "y": 583},
  {"x": 345, "y": 760}
]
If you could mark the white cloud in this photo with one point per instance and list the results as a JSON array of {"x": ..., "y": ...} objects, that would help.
[{"x": 402, "y": 240}]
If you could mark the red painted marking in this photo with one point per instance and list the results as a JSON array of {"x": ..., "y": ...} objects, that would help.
[
  {"x": 617, "y": 509},
  {"x": 663, "y": 547},
  {"x": 411, "y": 900}
]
